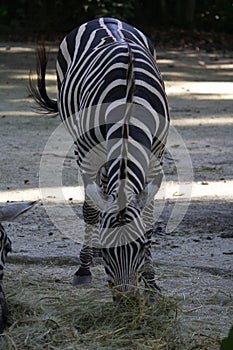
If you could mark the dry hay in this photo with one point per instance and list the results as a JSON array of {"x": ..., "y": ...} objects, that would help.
[{"x": 48, "y": 313}]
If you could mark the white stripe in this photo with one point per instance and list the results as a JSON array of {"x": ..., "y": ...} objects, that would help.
[
  {"x": 65, "y": 52},
  {"x": 59, "y": 72},
  {"x": 101, "y": 21}
]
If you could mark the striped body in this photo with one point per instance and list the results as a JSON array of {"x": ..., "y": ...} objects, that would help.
[
  {"x": 111, "y": 98},
  {"x": 93, "y": 98}
]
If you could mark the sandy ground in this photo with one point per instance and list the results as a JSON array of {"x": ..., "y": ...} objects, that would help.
[{"x": 193, "y": 256}]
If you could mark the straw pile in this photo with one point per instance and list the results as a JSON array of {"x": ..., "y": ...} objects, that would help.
[{"x": 48, "y": 313}]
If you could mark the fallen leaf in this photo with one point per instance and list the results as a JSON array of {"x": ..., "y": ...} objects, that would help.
[{"x": 177, "y": 194}]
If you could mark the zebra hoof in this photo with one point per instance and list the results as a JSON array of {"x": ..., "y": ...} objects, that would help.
[
  {"x": 154, "y": 296},
  {"x": 82, "y": 280}
]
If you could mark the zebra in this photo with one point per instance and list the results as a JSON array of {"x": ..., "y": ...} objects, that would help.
[
  {"x": 8, "y": 212},
  {"x": 112, "y": 100}
]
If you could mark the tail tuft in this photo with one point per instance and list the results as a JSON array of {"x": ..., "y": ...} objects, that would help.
[{"x": 38, "y": 90}]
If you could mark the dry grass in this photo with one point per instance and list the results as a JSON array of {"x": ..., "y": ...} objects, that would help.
[{"x": 48, "y": 313}]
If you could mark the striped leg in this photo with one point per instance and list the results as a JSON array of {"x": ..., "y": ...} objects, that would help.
[
  {"x": 148, "y": 270},
  {"x": 91, "y": 218},
  {"x": 5, "y": 248}
]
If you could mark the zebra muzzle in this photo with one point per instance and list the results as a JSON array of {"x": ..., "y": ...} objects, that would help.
[
  {"x": 128, "y": 298},
  {"x": 125, "y": 294}
]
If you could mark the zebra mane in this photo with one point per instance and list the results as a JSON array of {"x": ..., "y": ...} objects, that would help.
[{"x": 130, "y": 87}]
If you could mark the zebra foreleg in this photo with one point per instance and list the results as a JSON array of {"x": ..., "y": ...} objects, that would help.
[
  {"x": 148, "y": 273},
  {"x": 4, "y": 311},
  {"x": 91, "y": 217}
]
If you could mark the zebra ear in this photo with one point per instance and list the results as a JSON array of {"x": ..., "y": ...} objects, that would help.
[
  {"x": 11, "y": 211},
  {"x": 97, "y": 196},
  {"x": 147, "y": 195}
]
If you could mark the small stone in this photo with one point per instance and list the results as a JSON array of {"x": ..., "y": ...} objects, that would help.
[
  {"x": 227, "y": 234},
  {"x": 209, "y": 238},
  {"x": 205, "y": 183}
]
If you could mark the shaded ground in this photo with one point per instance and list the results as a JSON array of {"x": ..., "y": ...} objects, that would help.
[{"x": 193, "y": 261}]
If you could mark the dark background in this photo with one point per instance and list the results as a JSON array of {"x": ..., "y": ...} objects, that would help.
[{"x": 178, "y": 23}]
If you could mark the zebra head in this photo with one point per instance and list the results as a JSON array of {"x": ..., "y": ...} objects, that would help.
[
  {"x": 8, "y": 212},
  {"x": 123, "y": 234},
  {"x": 122, "y": 237}
]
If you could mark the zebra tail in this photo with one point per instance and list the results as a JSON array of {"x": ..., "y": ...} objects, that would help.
[
  {"x": 38, "y": 90},
  {"x": 130, "y": 81}
]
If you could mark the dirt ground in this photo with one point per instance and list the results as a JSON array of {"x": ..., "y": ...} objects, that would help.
[{"x": 193, "y": 256}]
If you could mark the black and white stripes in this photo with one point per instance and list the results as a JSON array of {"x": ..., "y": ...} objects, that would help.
[
  {"x": 5, "y": 248},
  {"x": 8, "y": 212},
  {"x": 111, "y": 99}
]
